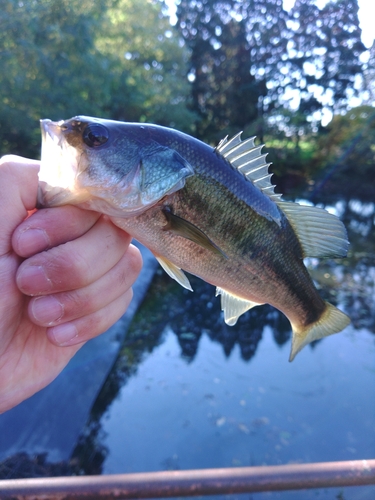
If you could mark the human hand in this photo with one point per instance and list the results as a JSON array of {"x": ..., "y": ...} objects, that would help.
[{"x": 65, "y": 277}]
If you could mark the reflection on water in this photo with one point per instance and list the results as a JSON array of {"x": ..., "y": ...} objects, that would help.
[{"x": 187, "y": 391}]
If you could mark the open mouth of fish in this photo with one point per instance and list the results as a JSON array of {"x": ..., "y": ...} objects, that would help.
[{"x": 58, "y": 169}]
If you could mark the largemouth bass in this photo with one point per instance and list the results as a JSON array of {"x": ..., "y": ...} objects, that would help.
[{"x": 209, "y": 211}]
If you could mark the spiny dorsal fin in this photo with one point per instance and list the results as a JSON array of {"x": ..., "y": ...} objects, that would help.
[
  {"x": 247, "y": 158},
  {"x": 233, "y": 306},
  {"x": 320, "y": 233}
]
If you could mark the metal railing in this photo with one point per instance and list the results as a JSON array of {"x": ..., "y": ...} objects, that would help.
[{"x": 191, "y": 483}]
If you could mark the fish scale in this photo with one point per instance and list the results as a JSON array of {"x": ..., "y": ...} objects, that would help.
[{"x": 209, "y": 211}]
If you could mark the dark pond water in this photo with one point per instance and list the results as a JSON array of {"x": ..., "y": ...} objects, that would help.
[{"x": 187, "y": 391}]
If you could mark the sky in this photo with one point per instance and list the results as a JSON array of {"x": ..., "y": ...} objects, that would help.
[{"x": 366, "y": 16}]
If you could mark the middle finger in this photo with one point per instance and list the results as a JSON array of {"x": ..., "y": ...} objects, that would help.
[
  {"x": 76, "y": 263},
  {"x": 65, "y": 306},
  {"x": 50, "y": 227}
]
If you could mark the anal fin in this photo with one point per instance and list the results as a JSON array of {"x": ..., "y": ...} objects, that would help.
[
  {"x": 174, "y": 272},
  {"x": 233, "y": 306}
]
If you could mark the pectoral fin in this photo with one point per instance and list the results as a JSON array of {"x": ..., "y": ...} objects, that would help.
[
  {"x": 182, "y": 227},
  {"x": 174, "y": 272},
  {"x": 233, "y": 306}
]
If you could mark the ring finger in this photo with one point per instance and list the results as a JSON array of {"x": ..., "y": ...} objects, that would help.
[{"x": 48, "y": 310}]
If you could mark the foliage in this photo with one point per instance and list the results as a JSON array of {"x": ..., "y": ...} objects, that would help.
[
  {"x": 110, "y": 58},
  {"x": 252, "y": 66},
  {"x": 369, "y": 77},
  {"x": 325, "y": 51},
  {"x": 261, "y": 57},
  {"x": 335, "y": 163},
  {"x": 46, "y": 67},
  {"x": 346, "y": 156},
  {"x": 146, "y": 64},
  {"x": 234, "y": 46}
]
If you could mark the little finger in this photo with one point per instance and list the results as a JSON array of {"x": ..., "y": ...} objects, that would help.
[{"x": 82, "y": 329}]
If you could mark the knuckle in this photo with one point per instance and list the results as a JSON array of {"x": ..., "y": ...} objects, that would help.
[
  {"x": 135, "y": 261},
  {"x": 78, "y": 303},
  {"x": 64, "y": 267},
  {"x": 129, "y": 268},
  {"x": 6, "y": 159},
  {"x": 10, "y": 159},
  {"x": 129, "y": 297},
  {"x": 99, "y": 321}
]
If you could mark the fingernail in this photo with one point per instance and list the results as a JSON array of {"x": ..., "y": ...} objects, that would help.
[
  {"x": 32, "y": 240},
  {"x": 47, "y": 310},
  {"x": 33, "y": 280},
  {"x": 63, "y": 334}
]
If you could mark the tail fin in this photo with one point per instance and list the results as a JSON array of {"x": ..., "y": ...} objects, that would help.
[{"x": 331, "y": 321}]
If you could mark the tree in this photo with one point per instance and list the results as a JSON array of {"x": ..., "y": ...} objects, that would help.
[
  {"x": 310, "y": 56},
  {"x": 233, "y": 46},
  {"x": 111, "y": 58},
  {"x": 146, "y": 63},
  {"x": 48, "y": 63},
  {"x": 369, "y": 77},
  {"x": 324, "y": 53},
  {"x": 346, "y": 156}
]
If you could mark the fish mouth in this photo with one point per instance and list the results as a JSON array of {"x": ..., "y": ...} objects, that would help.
[
  {"x": 50, "y": 129},
  {"x": 58, "y": 168}
]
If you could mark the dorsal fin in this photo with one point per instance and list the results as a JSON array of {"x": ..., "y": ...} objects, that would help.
[
  {"x": 320, "y": 233},
  {"x": 247, "y": 159}
]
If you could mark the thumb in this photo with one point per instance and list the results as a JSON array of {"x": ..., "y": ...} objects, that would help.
[{"x": 18, "y": 193}]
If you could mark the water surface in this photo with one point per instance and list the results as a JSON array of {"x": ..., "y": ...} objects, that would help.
[{"x": 189, "y": 392}]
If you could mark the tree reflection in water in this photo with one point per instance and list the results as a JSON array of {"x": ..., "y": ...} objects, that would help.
[{"x": 348, "y": 283}]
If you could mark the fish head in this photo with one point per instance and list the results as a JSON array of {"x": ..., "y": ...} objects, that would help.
[{"x": 108, "y": 166}]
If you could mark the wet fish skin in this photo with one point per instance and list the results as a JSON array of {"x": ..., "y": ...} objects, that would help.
[{"x": 200, "y": 213}]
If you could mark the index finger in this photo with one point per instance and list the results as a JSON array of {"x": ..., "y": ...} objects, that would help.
[{"x": 50, "y": 227}]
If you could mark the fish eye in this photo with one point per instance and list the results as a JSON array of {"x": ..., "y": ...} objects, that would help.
[{"x": 95, "y": 135}]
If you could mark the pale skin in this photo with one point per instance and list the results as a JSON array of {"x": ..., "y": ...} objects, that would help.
[{"x": 65, "y": 277}]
